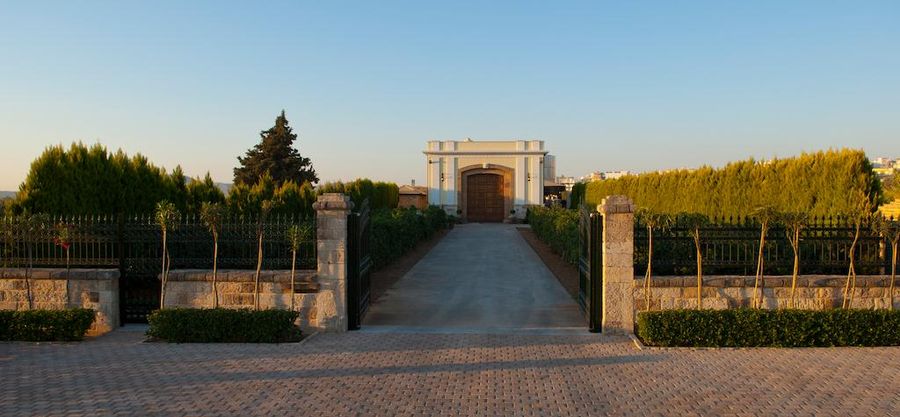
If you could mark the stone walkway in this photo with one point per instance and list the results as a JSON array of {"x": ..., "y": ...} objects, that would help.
[
  {"x": 357, "y": 374},
  {"x": 480, "y": 277}
]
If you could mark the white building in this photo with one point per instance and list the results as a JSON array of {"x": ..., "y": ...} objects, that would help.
[{"x": 485, "y": 181}]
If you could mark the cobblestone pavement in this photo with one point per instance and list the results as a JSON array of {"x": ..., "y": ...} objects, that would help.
[{"x": 441, "y": 374}]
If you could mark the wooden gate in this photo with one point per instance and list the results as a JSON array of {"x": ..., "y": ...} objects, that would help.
[
  {"x": 359, "y": 265},
  {"x": 590, "y": 268},
  {"x": 484, "y": 198}
]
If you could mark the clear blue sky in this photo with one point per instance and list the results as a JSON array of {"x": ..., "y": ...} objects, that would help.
[{"x": 608, "y": 84}]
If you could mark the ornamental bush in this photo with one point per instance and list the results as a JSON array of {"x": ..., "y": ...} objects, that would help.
[
  {"x": 769, "y": 328},
  {"x": 220, "y": 325},
  {"x": 558, "y": 228},
  {"x": 45, "y": 325},
  {"x": 395, "y": 232}
]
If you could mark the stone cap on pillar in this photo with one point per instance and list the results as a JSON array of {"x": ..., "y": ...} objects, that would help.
[
  {"x": 333, "y": 201},
  {"x": 616, "y": 204}
]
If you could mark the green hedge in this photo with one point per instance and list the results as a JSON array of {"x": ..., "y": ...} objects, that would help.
[
  {"x": 220, "y": 325},
  {"x": 558, "y": 228},
  {"x": 45, "y": 325},
  {"x": 769, "y": 328},
  {"x": 394, "y": 232},
  {"x": 821, "y": 184}
]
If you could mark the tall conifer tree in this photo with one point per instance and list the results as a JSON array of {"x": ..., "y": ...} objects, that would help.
[{"x": 275, "y": 155}]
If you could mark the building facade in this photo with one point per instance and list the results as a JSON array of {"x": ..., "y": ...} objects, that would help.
[{"x": 485, "y": 181}]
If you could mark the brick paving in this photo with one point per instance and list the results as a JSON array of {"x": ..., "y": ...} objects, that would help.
[{"x": 357, "y": 374}]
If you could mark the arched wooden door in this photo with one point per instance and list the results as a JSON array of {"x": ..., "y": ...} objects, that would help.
[{"x": 484, "y": 198}]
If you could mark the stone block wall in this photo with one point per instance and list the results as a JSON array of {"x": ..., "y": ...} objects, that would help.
[
  {"x": 55, "y": 289},
  {"x": 193, "y": 288},
  {"x": 815, "y": 292}
]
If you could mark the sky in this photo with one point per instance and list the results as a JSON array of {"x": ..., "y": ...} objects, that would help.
[{"x": 609, "y": 85}]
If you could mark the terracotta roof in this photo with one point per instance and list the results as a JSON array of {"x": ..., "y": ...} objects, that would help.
[{"x": 409, "y": 189}]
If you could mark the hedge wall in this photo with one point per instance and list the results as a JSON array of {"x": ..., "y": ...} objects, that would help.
[
  {"x": 821, "y": 184},
  {"x": 557, "y": 227},
  {"x": 394, "y": 232},
  {"x": 45, "y": 325},
  {"x": 220, "y": 325},
  {"x": 769, "y": 328}
]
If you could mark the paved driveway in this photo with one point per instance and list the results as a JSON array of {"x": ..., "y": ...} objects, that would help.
[
  {"x": 479, "y": 277},
  {"x": 360, "y": 374}
]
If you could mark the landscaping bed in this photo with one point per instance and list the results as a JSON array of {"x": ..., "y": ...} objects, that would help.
[
  {"x": 769, "y": 328},
  {"x": 220, "y": 325},
  {"x": 45, "y": 325}
]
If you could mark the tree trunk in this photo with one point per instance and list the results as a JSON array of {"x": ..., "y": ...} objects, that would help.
[
  {"x": 850, "y": 286},
  {"x": 699, "y": 271},
  {"x": 259, "y": 256},
  {"x": 164, "y": 272},
  {"x": 293, "y": 271},
  {"x": 68, "y": 275},
  {"x": 28, "y": 270},
  {"x": 757, "y": 299},
  {"x": 893, "y": 274},
  {"x": 795, "y": 244},
  {"x": 649, "y": 273},
  {"x": 215, "y": 282}
]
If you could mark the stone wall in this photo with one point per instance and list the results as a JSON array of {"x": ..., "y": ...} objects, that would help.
[
  {"x": 815, "y": 292},
  {"x": 55, "y": 289},
  {"x": 193, "y": 288}
]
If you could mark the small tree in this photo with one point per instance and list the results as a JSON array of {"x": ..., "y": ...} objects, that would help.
[
  {"x": 889, "y": 229},
  {"x": 63, "y": 239},
  {"x": 264, "y": 210},
  {"x": 859, "y": 216},
  {"x": 212, "y": 215},
  {"x": 694, "y": 222},
  {"x": 765, "y": 215},
  {"x": 793, "y": 223},
  {"x": 652, "y": 220},
  {"x": 167, "y": 217},
  {"x": 297, "y": 235}
]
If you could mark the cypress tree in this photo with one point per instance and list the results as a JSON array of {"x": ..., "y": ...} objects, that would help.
[{"x": 275, "y": 155}]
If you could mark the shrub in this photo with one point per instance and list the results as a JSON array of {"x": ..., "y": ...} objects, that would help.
[
  {"x": 769, "y": 328},
  {"x": 219, "y": 325},
  {"x": 558, "y": 228},
  {"x": 45, "y": 325},
  {"x": 394, "y": 232}
]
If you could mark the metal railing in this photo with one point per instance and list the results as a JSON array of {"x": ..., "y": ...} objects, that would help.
[
  {"x": 731, "y": 247},
  {"x": 133, "y": 243}
]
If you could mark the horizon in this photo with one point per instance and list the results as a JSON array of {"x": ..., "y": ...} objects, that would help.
[{"x": 608, "y": 87}]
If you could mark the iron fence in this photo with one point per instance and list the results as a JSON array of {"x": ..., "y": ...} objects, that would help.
[
  {"x": 731, "y": 247},
  {"x": 133, "y": 243}
]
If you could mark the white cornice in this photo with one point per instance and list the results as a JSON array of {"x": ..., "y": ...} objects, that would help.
[{"x": 486, "y": 153}]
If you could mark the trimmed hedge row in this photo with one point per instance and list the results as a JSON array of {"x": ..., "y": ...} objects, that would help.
[
  {"x": 558, "y": 228},
  {"x": 394, "y": 232},
  {"x": 769, "y": 328},
  {"x": 220, "y": 325},
  {"x": 45, "y": 325}
]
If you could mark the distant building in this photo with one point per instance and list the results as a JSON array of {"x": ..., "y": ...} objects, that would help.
[
  {"x": 606, "y": 175},
  {"x": 486, "y": 181},
  {"x": 413, "y": 196}
]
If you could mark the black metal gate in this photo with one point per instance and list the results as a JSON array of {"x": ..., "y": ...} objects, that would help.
[
  {"x": 359, "y": 265},
  {"x": 590, "y": 268},
  {"x": 140, "y": 257}
]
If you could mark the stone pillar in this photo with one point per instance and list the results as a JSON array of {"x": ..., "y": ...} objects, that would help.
[
  {"x": 618, "y": 264},
  {"x": 331, "y": 247}
]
